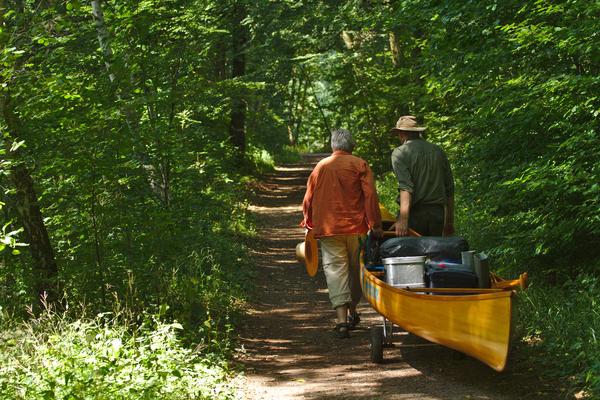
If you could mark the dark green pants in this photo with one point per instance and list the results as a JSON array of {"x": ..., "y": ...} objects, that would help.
[{"x": 428, "y": 220}]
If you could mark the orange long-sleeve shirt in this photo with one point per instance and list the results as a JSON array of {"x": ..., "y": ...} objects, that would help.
[{"x": 341, "y": 197}]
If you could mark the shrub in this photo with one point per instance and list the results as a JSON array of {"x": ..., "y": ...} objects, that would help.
[
  {"x": 387, "y": 190},
  {"x": 105, "y": 359}
]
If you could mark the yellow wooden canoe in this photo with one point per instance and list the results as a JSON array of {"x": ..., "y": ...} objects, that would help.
[{"x": 477, "y": 322}]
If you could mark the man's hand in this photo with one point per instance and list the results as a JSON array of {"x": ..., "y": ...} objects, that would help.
[
  {"x": 307, "y": 225},
  {"x": 401, "y": 225},
  {"x": 377, "y": 232},
  {"x": 401, "y": 228}
]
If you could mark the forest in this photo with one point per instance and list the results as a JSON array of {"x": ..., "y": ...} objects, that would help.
[{"x": 132, "y": 131}]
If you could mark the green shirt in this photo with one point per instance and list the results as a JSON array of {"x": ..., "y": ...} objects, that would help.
[{"x": 422, "y": 169}]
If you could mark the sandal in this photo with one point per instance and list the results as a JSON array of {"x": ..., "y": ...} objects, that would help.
[
  {"x": 353, "y": 320},
  {"x": 342, "y": 330}
]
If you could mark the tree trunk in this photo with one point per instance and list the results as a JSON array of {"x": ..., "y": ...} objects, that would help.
[
  {"x": 45, "y": 268},
  {"x": 103, "y": 38},
  {"x": 117, "y": 85},
  {"x": 26, "y": 205},
  {"x": 394, "y": 49},
  {"x": 290, "y": 112},
  {"x": 319, "y": 107},
  {"x": 296, "y": 104},
  {"x": 303, "y": 85},
  {"x": 220, "y": 60},
  {"x": 237, "y": 128}
]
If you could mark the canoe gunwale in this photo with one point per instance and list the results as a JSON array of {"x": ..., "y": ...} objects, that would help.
[{"x": 412, "y": 293}]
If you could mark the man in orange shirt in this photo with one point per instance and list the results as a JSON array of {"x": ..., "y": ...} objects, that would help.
[{"x": 340, "y": 205}]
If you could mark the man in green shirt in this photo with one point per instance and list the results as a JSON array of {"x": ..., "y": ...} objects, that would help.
[{"x": 425, "y": 182}]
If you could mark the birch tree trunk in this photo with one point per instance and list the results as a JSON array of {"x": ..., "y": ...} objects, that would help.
[
  {"x": 237, "y": 128},
  {"x": 103, "y": 38},
  {"x": 122, "y": 94},
  {"x": 108, "y": 57}
]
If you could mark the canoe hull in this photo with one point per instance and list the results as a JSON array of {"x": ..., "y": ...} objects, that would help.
[{"x": 478, "y": 325}]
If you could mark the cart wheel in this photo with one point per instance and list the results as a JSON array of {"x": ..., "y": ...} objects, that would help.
[{"x": 377, "y": 344}]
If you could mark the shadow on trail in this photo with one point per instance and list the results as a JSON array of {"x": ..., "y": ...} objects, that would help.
[{"x": 290, "y": 351}]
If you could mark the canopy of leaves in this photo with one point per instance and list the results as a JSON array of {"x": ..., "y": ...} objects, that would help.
[{"x": 509, "y": 89}]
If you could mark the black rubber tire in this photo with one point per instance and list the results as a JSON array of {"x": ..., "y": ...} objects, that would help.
[{"x": 377, "y": 344}]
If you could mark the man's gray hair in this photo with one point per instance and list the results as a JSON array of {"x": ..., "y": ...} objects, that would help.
[{"x": 341, "y": 139}]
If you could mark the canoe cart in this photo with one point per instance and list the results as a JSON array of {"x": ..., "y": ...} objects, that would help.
[{"x": 475, "y": 321}]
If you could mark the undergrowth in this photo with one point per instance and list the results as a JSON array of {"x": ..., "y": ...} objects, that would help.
[
  {"x": 51, "y": 357},
  {"x": 561, "y": 330}
]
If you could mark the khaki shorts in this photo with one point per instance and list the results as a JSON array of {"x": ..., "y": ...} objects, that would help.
[{"x": 341, "y": 263}]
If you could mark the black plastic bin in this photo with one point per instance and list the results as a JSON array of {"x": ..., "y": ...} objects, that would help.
[{"x": 451, "y": 279}]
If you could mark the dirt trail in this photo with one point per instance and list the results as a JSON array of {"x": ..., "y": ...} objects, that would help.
[{"x": 290, "y": 351}]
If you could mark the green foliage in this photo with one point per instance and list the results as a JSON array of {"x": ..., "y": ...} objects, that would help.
[
  {"x": 387, "y": 190},
  {"x": 9, "y": 239},
  {"x": 134, "y": 174},
  {"x": 141, "y": 193},
  {"x": 126, "y": 138},
  {"x": 205, "y": 296},
  {"x": 560, "y": 330},
  {"x": 289, "y": 154},
  {"x": 508, "y": 89},
  {"x": 520, "y": 107},
  {"x": 263, "y": 161},
  {"x": 103, "y": 359}
]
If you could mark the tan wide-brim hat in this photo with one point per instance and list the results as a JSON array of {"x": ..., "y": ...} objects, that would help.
[
  {"x": 407, "y": 123},
  {"x": 307, "y": 253}
]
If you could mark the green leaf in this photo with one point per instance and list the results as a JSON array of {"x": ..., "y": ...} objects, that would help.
[{"x": 16, "y": 145}]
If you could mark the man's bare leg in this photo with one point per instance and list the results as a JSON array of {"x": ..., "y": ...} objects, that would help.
[{"x": 342, "y": 313}]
